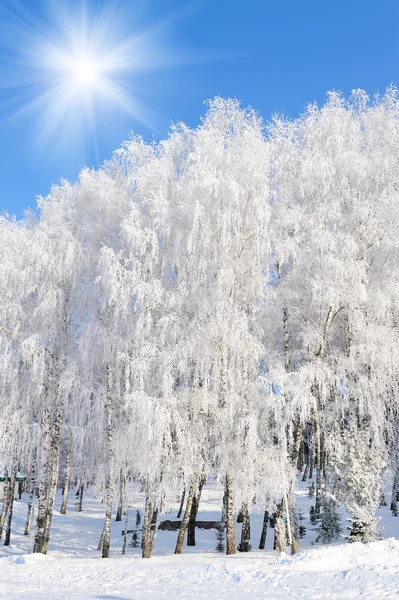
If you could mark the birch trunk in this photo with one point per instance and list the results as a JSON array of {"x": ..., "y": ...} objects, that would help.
[
  {"x": 121, "y": 496},
  {"x": 181, "y": 504},
  {"x": 31, "y": 496},
  {"x": 154, "y": 535},
  {"x": 67, "y": 474},
  {"x": 6, "y": 502},
  {"x": 55, "y": 451},
  {"x": 125, "y": 511},
  {"x": 311, "y": 464},
  {"x": 245, "y": 531},
  {"x": 318, "y": 467},
  {"x": 43, "y": 482},
  {"x": 80, "y": 503},
  {"x": 186, "y": 519},
  {"x": 279, "y": 530},
  {"x": 279, "y": 535},
  {"x": 146, "y": 539},
  {"x": 193, "y": 515},
  {"x": 11, "y": 493},
  {"x": 395, "y": 490},
  {"x": 296, "y": 447},
  {"x": 230, "y": 521},
  {"x": 110, "y": 483},
  {"x": 264, "y": 530}
]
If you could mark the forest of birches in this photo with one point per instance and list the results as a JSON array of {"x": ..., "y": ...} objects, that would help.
[{"x": 221, "y": 306}]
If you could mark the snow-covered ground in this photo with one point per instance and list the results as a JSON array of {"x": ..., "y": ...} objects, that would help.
[{"x": 74, "y": 568}]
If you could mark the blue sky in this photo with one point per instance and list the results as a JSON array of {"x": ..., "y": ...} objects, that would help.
[{"x": 164, "y": 58}]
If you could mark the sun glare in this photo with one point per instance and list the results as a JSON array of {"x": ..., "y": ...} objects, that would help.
[
  {"x": 78, "y": 64},
  {"x": 85, "y": 71}
]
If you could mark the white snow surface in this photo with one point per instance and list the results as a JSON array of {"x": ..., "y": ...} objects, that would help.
[{"x": 74, "y": 569}]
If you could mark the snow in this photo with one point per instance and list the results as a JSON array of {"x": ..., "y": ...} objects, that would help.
[
  {"x": 353, "y": 571},
  {"x": 74, "y": 569}
]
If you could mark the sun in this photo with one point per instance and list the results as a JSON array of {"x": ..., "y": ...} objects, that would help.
[
  {"x": 85, "y": 71},
  {"x": 80, "y": 64}
]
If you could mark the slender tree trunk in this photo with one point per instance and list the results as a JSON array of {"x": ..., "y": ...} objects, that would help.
[
  {"x": 193, "y": 515},
  {"x": 290, "y": 495},
  {"x": 146, "y": 539},
  {"x": 318, "y": 469},
  {"x": 11, "y": 493},
  {"x": 101, "y": 540},
  {"x": 279, "y": 535},
  {"x": 29, "y": 512},
  {"x": 55, "y": 451},
  {"x": 31, "y": 496},
  {"x": 311, "y": 464},
  {"x": 287, "y": 362},
  {"x": 181, "y": 504},
  {"x": 121, "y": 496},
  {"x": 43, "y": 483},
  {"x": 395, "y": 490},
  {"x": 324, "y": 479},
  {"x": 6, "y": 502},
  {"x": 224, "y": 509},
  {"x": 264, "y": 530},
  {"x": 125, "y": 511},
  {"x": 110, "y": 482},
  {"x": 156, "y": 523},
  {"x": 296, "y": 444},
  {"x": 279, "y": 530},
  {"x": 230, "y": 521},
  {"x": 245, "y": 531},
  {"x": 186, "y": 519},
  {"x": 67, "y": 473},
  {"x": 80, "y": 503},
  {"x": 305, "y": 473},
  {"x": 301, "y": 457}
]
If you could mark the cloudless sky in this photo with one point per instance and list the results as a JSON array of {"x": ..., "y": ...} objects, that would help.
[{"x": 275, "y": 55}]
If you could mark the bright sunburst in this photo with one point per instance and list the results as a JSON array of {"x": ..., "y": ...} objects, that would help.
[
  {"x": 85, "y": 71},
  {"x": 67, "y": 65}
]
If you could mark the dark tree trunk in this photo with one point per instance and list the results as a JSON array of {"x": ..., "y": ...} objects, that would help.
[
  {"x": 395, "y": 489},
  {"x": 6, "y": 502},
  {"x": 181, "y": 504},
  {"x": 186, "y": 519},
  {"x": 67, "y": 473},
  {"x": 245, "y": 531},
  {"x": 311, "y": 464},
  {"x": 80, "y": 503},
  {"x": 11, "y": 492},
  {"x": 264, "y": 530},
  {"x": 193, "y": 515}
]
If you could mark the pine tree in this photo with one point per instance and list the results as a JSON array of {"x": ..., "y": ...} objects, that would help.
[
  {"x": 330, "y": 525},
  {"x": 301, "y": 528},
  {"x": 311, "y": 490},
  {"x": 220, "y": 545},
  {"x": 135, "y": 539},
  {"x": 138, "y": 518},
  {"x": 312, "y": 515}
]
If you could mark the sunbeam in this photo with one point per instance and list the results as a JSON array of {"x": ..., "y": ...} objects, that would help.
[{"x": 69, "y": 66}]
